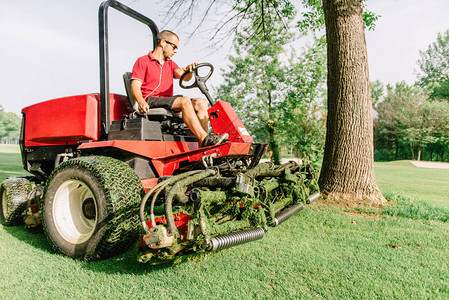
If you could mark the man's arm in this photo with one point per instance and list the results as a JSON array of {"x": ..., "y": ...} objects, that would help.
[
  {"x": 189, "y": 68},
  {"x": 137, "y": 94}
]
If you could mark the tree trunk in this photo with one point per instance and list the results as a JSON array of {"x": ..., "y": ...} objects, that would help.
[
  {"x": 348, "y": 165},
  {"x": 419, "y": 154},
  {"x": 412, "y": 151},
  {"x": 273, "y": 145},
  {"x": 397, "y": 151}
]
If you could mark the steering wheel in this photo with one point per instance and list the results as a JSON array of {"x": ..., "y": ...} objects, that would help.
[
  {"x": 198, "y": 78},
  {"x": 200, "y": 81}
]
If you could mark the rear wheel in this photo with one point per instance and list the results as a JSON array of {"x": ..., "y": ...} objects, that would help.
[
  {"x": 14, "y": 193},
  {"x": 91, "y": 207}
]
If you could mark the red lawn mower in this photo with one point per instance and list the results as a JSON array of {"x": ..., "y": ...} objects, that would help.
[{"x": 103, "y": 175}]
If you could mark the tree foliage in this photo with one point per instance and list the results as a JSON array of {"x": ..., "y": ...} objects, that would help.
[
  {"x": 408, "y": 123},
  {"x": 255, "y": 83},
  {"x": 278, "y": 100},
  {"x": 303, "y": 114},
  {"x": 313, "y": 16},
  {"x": 377, "y": 91},
  {"x": 9, "y": 126},
  {"x": 434, "y": 65}
]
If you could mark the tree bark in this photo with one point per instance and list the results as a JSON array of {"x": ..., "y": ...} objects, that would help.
[
  {"x": 397, "y": 151},
  {"x": 348, "y": 165},
  {"x": 273, "y": 145},
  {"x": 412, "y": 151}
]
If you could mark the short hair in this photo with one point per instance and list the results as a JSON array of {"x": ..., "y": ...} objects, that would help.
[{"x": 165, "y": 34}]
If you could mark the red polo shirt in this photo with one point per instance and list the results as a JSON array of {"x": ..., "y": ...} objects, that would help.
[{"x": 157, "y": 80}]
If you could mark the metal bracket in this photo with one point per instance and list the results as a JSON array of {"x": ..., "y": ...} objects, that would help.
[
  {"x": 62, "y": 157},
  {"x": 209, "y": 159}
]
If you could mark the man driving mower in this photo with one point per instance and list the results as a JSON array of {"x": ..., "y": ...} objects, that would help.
[{"x": 152, "y": 87}]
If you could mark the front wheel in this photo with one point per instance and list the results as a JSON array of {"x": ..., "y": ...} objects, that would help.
[
  {"x": 91, "y": 207},
  {"x": 14, "y": 193}
]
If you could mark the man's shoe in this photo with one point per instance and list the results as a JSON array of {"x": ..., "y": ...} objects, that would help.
[{"x": 213, "y": 139}]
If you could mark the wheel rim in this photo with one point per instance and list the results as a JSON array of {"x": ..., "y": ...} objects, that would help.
[
  {"x": 4, "y": 204},
  {"x": 75, "y": 211}
]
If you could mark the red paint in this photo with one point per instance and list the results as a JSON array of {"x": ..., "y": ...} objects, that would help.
[
  {"x": 223, "y": 119},
  {"x": 62, "y": 121},
  {"x": 181, "y": 222},
  {"x": 157, "y": 150},
  {"x": 69, "y": 120},
  {"x": 34, "y": 208},
  {"x": 149, "y": 183}
]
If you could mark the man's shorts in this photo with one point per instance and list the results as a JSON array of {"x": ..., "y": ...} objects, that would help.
[{"x": 164, "y": 102}]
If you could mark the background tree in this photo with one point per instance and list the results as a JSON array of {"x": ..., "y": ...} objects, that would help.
[
  {"x": 279, "y": 100},
  {"x": 302, "y": 114},
  {"x": 377, "y": 91},
  {"x": 255, "y": 83},
  {"x": 348, "y": 164},
  {"x": 409, "y": 123},
  {"x": 434, "y": 65},
  {"x": 9, "y": 127}
]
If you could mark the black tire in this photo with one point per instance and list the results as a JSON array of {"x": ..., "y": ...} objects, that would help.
[
  {"x": 90, "y": 208},
  {"x": 14, "y": 193}
]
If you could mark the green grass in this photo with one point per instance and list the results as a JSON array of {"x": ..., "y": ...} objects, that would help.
[
  {"x": 10, "y": 162},
  {"x": 320, "y": 253},
  {"x": 402, "y": 177}
]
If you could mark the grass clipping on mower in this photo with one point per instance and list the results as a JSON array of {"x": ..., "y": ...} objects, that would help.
[{"x": 213, "y": 211}]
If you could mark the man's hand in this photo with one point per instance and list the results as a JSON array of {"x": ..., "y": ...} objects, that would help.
[
  {"x": 181, "y": 71},
  {"x": 143, "y": 107},
  {"x": 190, "y": 67}
]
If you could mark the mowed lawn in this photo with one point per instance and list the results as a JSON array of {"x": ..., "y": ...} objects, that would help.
[
  {"x": 430, "y": 185},
  {"x": 320, "y": 253},
  {"x": 10, "y": 162}
]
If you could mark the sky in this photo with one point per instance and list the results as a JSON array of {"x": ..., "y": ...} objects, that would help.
[{"x": 49, "y": 48}]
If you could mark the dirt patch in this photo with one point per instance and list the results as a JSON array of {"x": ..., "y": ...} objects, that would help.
[
  {"x": 352, "y": 201},
  {"x": 368, "y": 215}
]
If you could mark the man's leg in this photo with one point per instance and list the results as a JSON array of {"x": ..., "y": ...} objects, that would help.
[
  {"x": 200, "y": 106},
  {"x": 190, "y": 118}
]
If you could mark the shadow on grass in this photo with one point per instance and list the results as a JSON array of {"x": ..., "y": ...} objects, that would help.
[
  {"x": 125, "y": 263},
  {"x": 34, "y": 238}
]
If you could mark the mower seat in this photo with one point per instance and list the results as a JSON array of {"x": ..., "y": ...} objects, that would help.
[{"x": 156, "y": 114}]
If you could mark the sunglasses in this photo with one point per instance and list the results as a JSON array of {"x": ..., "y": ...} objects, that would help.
[{"x": 171, "y": 44}]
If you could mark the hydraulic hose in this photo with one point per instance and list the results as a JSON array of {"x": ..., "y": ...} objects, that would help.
[
  {"x": 178, "y": 186},
  {"x": 142, "y": 206},
  {"x": 177, "y": 178},
  {"x": 159, "y": 187}
]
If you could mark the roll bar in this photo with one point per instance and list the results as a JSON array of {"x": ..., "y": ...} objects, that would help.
[{"x": 104, "y": 54}]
